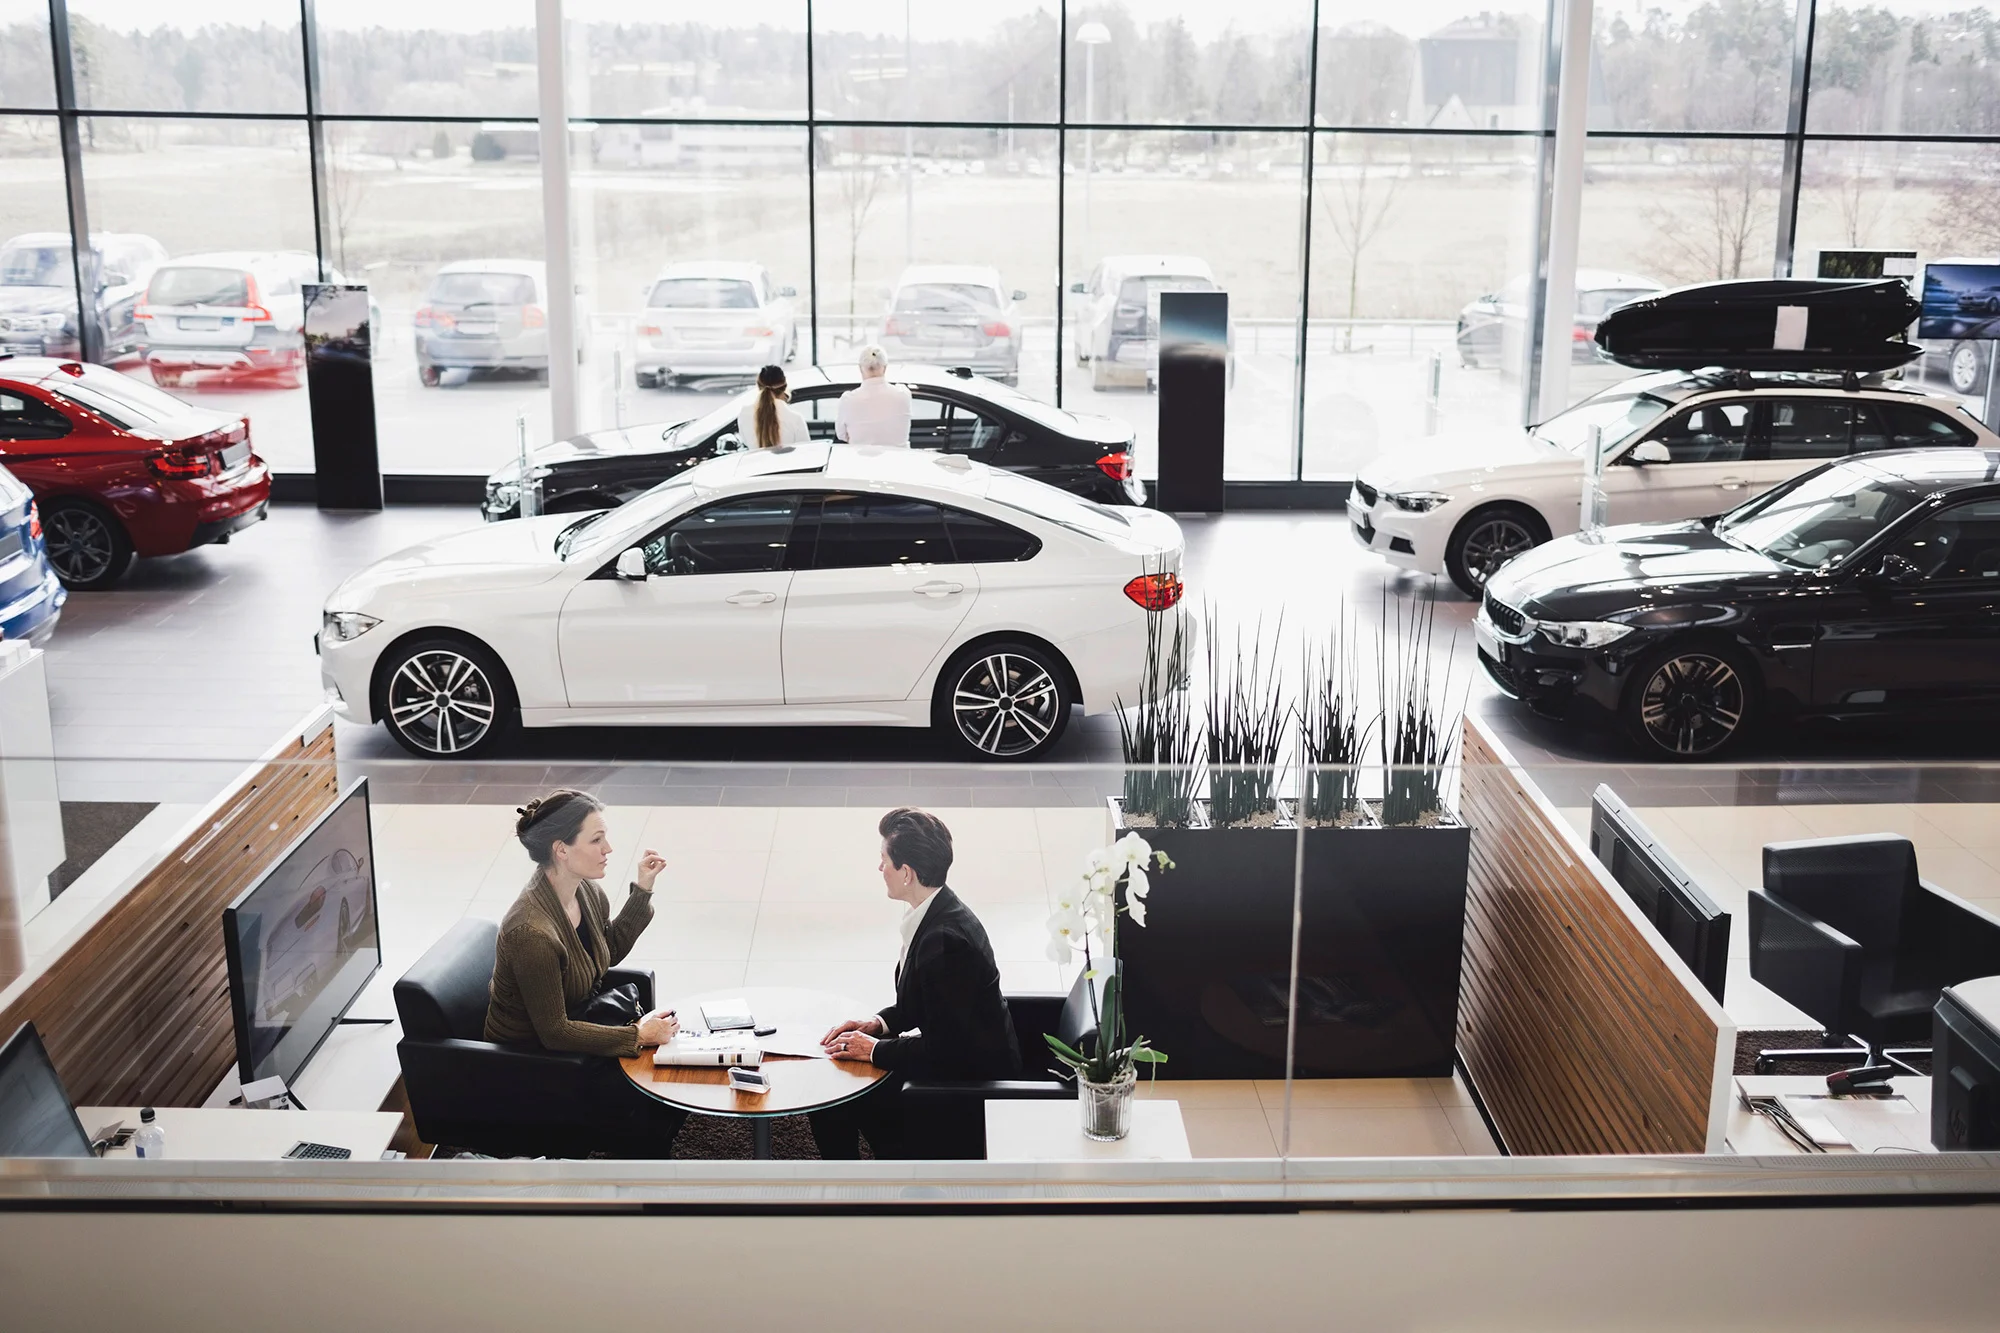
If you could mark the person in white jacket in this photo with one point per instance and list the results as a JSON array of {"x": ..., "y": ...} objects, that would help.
[
  {"x": 875, "y": 411},
  {"x": 769, "y": 419}
]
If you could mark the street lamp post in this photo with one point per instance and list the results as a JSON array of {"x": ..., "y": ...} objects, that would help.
[{"x": 1092, "y": 35}]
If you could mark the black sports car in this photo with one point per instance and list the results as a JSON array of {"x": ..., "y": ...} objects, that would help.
[
  {"x": 955, "y": 411},
  {"x": 1867, "y": 588}
]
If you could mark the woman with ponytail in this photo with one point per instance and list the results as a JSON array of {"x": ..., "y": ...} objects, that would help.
[{"x": 769, "y": 419}]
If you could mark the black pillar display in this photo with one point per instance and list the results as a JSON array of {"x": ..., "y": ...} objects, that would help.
[
  {"x": 1194, "y": 384},
  {"x": 340, "y": 385}
]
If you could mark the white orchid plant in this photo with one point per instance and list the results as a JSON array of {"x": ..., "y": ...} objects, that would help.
[{"x": 1086, "y": 921}]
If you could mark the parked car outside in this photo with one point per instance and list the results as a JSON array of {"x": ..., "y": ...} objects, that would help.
[
  {"x": 717, "y": 319},
  {"x": 237, "y": 312},
  {"x": 484, "y": 315},
  {"x": 981, "y": 419},
  {"x": 38, "y": 292},
  {"x": 806, "y": 585},
  {"x": 1118, "y": 322},
  {"x": 954, "y": 315},
  {"x": 31, "y": 596},
  {"x": 121, "y": 469},
  {"x": 1499, "y": 320},
  {"x": 1677, "y": 445},
  {"x": 1863, "y": 589}
]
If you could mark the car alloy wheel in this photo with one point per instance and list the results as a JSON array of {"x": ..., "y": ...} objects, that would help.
[
  {"x": 442, "y": 702},
  {"x": 85, "y": 548},
  {"x": 1692, "y": 704},
  {"x": 1965, "y": 376},
  {"x": 1490, "y": 543},
  {"x": 1007, "y": 704}
]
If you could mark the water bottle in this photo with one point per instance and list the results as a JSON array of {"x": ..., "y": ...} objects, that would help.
[{"x": 151, "y": 1140}]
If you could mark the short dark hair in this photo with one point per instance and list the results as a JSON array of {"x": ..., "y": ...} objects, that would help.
[
  {"x": 919, "y": 840},
  {"x": 548, "y": 820}
]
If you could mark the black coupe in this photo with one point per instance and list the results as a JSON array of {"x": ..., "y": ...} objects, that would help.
[
  {"x": 1867, "y": 588},
  {"x": 952, "y": 410}
]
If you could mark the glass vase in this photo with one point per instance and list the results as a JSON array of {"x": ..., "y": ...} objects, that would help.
[{"x": 1107, "y": 1107}]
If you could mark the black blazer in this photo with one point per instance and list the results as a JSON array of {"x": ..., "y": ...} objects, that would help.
[{"x": 949, "y": 986}]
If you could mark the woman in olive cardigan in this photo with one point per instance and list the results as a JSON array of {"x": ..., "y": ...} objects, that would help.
[{"x": 559, "y": 938}]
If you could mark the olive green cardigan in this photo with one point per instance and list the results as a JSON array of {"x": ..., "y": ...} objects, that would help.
[{"x": 541, "y": 970}]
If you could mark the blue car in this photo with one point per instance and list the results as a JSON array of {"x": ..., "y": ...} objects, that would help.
[{"x": 31, "y": 597}]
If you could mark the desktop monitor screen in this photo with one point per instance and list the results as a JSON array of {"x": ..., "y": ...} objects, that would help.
[
  {"x": 303, "y": 942},
  {"x": 1690, "y": 922},
  {"x": 36, "y": 1118}
]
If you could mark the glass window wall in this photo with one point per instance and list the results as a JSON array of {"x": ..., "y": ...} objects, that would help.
[
  {"x": 27, "y": 76},
  {"x": 193, "y": 55},
  {"x": 1691, "y": 66},
  {"x": 1448, "y": 67},
  {"x": 38, "y": 311},
  {"x": 1905, "y": 67},
  {"x": 681, "y": 59},
  {"x": 450, "y": 58},
  {"x": 1155, "y": 62},
  {"x": 929, "y": 60}
]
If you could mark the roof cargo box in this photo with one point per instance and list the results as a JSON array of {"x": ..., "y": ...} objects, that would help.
[{"x": 1766, "y": 324}]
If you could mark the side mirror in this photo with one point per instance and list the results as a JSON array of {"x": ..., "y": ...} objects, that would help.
[
  {"x": 1020, "y": 295},
  {"x": 1898, "y": 570},
  {"x": 788, "y": 291},
  {"x": 632, "y": 565},
  {"x": 1652, "y": 451},
  {"x": 1078, "y": 289},
  {"x": 729, "y": 442}
]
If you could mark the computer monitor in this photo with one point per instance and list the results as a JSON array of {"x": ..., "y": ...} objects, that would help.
[
  {"x": 1694, "y": 927},
  {"x": 303, "y": 941},
  {"x": 36, "y": 1118},
  {"x": 1965, "y": 1067}
]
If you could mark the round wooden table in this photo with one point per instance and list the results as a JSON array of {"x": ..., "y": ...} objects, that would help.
[{"x": 798, "y": 1084}]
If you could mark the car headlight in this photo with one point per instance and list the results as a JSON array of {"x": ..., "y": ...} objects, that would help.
[
  {"x": 346, "y": 626},
  {"x": 1416, "y": 502},
  {"x": 1582, "y": 633}
]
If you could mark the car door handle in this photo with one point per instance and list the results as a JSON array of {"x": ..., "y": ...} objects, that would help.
[
  {"x": 751, "y": 598},
  {"x": 938, "y": 588},
  {"x": 1732, "y": 483}
]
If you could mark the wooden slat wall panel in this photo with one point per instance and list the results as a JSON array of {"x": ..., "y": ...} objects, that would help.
[
  {"x": 136, "y": 1011},
  {"x": 1580, "y": 1036}
]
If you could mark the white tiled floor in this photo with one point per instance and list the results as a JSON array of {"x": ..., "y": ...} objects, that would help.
[
  {"x": 1362, "y": 1117},
  {"x": 1958, "y": 849}
]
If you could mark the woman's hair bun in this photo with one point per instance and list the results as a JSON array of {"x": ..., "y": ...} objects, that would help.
[{"x": 556, "y": 817}]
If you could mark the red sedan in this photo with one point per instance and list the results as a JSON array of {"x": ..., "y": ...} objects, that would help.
[{"x": 121, "y": 469}]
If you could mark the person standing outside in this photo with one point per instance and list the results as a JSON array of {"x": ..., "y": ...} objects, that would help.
[{"x": 874, "y": 411}]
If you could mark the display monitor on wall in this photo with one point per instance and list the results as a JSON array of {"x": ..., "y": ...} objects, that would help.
[
  {"x": 36, "y": 1118},
  {"x": 303, "y": 941},
  {"x": 1694, "y": 927},
  {"x": 1961, "y": 300}
]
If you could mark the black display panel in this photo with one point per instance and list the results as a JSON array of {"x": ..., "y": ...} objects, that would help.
[
  {"x": 36, "y": 1118},
  {"x": 340, "y": 386},
  {"x": 1194, "y": 388},
  {"x": 303, "y": 942},
  {"x": 1694, "y": 927}
]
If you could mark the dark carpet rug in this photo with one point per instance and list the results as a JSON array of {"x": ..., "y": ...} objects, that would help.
[
  {"x": 90, "y": 829},
  {"x": 1749, "y": 1041}
]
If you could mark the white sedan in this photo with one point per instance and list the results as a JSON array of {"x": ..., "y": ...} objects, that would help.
[
  {"x": 817, "y": 585},
  {"x": 717, "y": 319}
]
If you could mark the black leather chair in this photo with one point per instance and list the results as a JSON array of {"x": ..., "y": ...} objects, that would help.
[
  {"x": 945, "y": 1119},
  {"x": 505, "y": 1101},
  {"x": 1845, "y": 930}
]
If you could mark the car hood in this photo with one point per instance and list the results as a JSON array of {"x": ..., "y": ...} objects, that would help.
[
  {"x": 1636, "y": 565},
  {"x": 1467, "y": 459},
  {"x": 518, "y": 552},
  {"x": 649, "y": 438},
  {"x": 36, "y": 301}
]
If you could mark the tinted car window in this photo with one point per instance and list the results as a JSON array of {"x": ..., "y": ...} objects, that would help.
[
  {"x": 35, "y": 266},
  {"x": 1911, "y": 425},
  {"x": 199, "y": 286},
  {"x": 742, "y": 536},
  {"x": 869, "y": 531},
  {"x": 1957, "y": 545},
  {"x": 1817, "y": 521},
  {"x": 1711, "y": 433},
  {"x": 1810, "y": 428},
  {"x": 978, "y": 540},
  {"x": 484, "y": 289},
  {"x": 25, "y": 418}
]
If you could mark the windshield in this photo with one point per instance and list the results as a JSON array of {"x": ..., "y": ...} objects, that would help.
[
  {"x": 483, "y": 289},
  {"x": 35, "y": 266},
  {"x": 587, "y": 530},
  {"x": 1620, "y": 417},
  {"x": 124, "y": 401},
  {"x": 703, "y": 294},
  {"x": 1141, "y": 290},
  {"x": 199, "y": 286},
  {"x": 1820, "y": 519},
  {"x": 946, "y": 298}
]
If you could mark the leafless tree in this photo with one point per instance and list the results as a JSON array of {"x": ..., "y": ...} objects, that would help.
[
  {"x": 859, "y": 185},
  {"x": 1712, "y": 227},
  {"x": 1963, "y": 221},
  {"x": 1357, "y": 198}
]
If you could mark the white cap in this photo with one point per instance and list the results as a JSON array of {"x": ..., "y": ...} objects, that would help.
[{"x": 873, "y": 360}]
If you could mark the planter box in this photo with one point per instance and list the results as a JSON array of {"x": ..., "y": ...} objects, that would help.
[{"x": 1382, "y": 933}]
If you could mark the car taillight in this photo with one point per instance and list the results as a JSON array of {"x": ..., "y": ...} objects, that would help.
[
  {"x": 758, "y": 331},
  {"x": 181, "y": 463},
  {"x": 996, "y": 329},
  {"x": 424, "y": 316},
  {"x": 256, "y": 314},
  {"x": 1117, "y": 466},
  {"x": 34, "y": 522},
  {"x": 253, "y": 302},
  {"x": 650, "y": 330},
  {"x": 1155, "y": 592},
  {"x": 532, "y": 317},
  {"x": 895, "y": 328},
  {"x": 1580, "y": 334}
]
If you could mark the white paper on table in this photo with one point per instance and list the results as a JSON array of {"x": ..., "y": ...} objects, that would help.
[{"x": 792, "y": 1040}]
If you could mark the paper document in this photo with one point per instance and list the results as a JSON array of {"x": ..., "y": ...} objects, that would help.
[
  {"x": 792, "y": 1039},
  {"x": 710, "y": 1052}
]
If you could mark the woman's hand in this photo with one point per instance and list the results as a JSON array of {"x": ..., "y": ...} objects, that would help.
[
  {"x": 650, "y": 866},
  {"x": 873, "y": 1026},
  {"x": 658, "y": 1028},
  {"x": 852, "y": 1045}
]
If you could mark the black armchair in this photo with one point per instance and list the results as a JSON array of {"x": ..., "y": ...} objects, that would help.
[
  {"x": 946, "y": 1119},
  {"x": 503, "y": 1100},
  {"x": 1845, "y": 930}
]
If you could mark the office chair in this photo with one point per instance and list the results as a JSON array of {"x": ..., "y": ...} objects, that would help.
[
  {"x": 502, "y": 1100},
  {"x": 1845, "y": 930},
  {"x": 945, "y": 1119}
]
